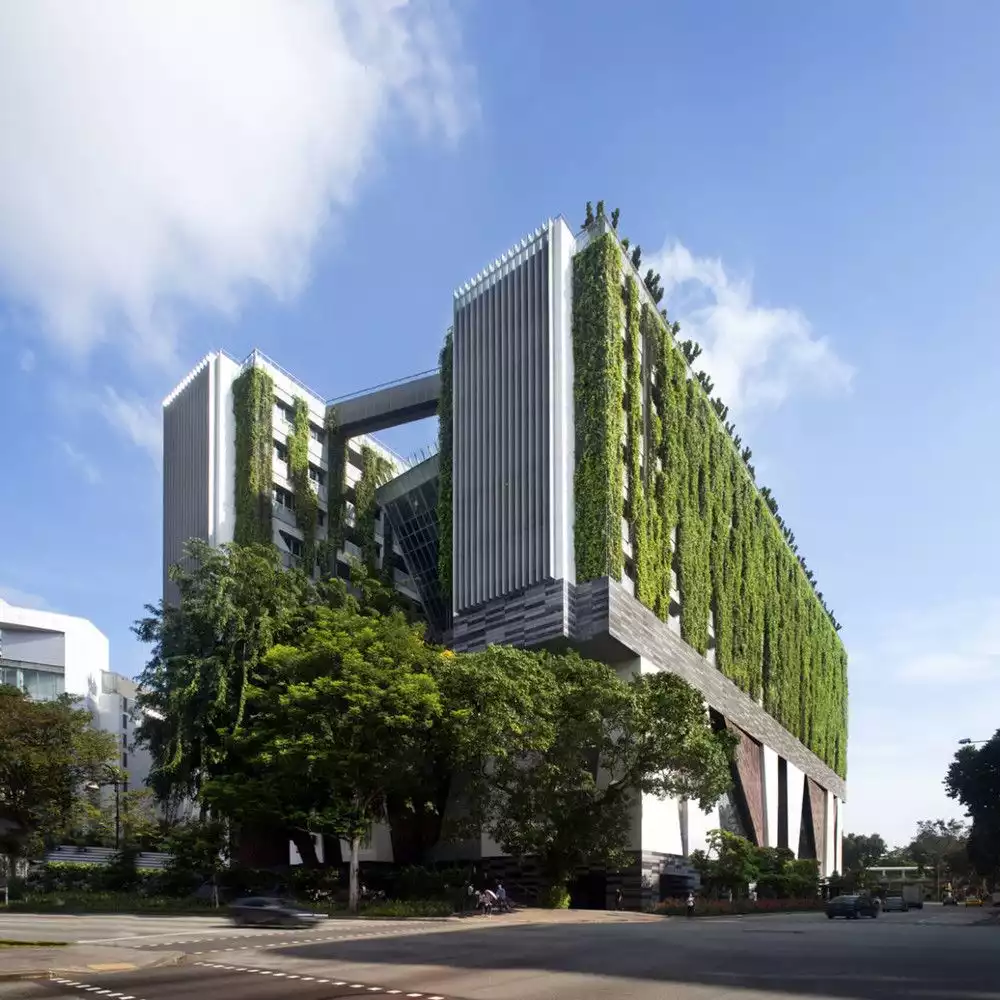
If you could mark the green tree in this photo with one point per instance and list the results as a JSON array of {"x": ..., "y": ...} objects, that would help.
[
  {"x": 236, "y": 602},
  {"x": 733, "y": 861},
  {"x": 489, "y": 713},
  {"x": 935, "y": 842},
  {"x": 48, "y": 750},
  {"x": 973, "y": 779},
  {"x": 199, "y": 851},
  {"x": 341, "y": 717},
  {"x": 862, "y": 850},
  {"x": 599, "y": 741}
]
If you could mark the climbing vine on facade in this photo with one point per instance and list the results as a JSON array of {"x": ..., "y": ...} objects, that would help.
[
  {"x": 253, "y": 404},
  {"x": 376, "y": 470},
  {"x": 599, "y": 361},
  {"x": 744, "y": 591},
  {"x": 336, "y": 493},
  {"x": 445, "y": 432},
  {"x": 306, "y": 501}
]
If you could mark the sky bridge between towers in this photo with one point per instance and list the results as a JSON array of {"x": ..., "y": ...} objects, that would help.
[{"x": 388, "y": 405}]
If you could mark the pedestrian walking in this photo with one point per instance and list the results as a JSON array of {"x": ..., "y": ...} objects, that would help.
[
  {"x": 619, "y": 899},
  {"x": 690, "y": 904},
  {"x": 502, "y": 901}
]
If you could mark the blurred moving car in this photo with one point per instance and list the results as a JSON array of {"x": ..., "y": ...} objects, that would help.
[
  {"x": 973, "y": 901},
  {"x": 853, "y": 907},
  {"x": 895, "y": 903},
  {"x": 268, "y": 911}
]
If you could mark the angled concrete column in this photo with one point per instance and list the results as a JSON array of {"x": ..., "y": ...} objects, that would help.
[
  {"x": 771, "y": 792},
  {"x": 796, "y": 789}
]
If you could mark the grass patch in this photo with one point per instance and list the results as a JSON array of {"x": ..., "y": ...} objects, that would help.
[{"x": 10, "y": 943}]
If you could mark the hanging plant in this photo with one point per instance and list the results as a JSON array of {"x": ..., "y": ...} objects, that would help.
[
  {"x": 306, "y": 500},
  {"x": 735, "y": 559},
  {"x": 253, "y": 404}
]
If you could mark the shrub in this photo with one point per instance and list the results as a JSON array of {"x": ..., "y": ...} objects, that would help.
[
  {"x": 408, "y": 908},
  {"x": 719, "y": 907},
  {"x": 556, "y": 897},
  {"x": 104, "y": 902}
]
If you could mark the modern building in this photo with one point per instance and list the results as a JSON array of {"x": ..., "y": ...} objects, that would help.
[
  {"x": 247, "y": 457},
  {"x": 47, "y": 655},
  {"x": 588, "y": 491}
]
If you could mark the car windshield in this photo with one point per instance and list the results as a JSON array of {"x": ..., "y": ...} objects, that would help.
[{"x": 845, "y": 899}]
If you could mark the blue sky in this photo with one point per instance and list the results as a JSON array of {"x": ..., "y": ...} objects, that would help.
[{"x": 816, "y": 184}]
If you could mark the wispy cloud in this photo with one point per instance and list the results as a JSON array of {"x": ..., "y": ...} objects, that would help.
[
  {"x": 757, "y": 355},
  {"x": 140, "y": 422},
  {"x": 79, "y": 461},
  {"x": 23, "y": 598},
  {"x": 165, "y": 155}
]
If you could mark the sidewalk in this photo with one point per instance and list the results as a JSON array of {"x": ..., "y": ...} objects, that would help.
[{"x": 75, "y": 959}]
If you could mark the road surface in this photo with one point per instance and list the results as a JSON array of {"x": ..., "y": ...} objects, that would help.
[{"x": 933, "y": 954}]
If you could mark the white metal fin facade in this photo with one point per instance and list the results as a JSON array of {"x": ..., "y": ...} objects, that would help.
[{"x": 510, "y": 348}]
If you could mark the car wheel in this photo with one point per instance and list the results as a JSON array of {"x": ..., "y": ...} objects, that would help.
[
  {"x": 829, "y": 916},
  {"x": 874, "y": 914}
]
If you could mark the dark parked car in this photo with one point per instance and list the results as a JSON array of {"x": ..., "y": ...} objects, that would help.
[
  {"x": 853, "y": 907},
  {"x": 271, "y": 912}
]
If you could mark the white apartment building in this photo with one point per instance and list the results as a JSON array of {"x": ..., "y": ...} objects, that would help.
[{"x": 47, "y": 654}]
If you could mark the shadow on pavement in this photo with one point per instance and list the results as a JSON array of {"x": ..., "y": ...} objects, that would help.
[{"x": 849, "y": 960}]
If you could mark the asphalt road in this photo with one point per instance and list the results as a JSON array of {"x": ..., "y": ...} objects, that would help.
[{"x": 934, "y": 954}]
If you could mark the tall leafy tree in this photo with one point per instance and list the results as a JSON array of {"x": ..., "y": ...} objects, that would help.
[
  {"x": 973, "y": 779},
  {"x": 862, "y": 850},
  {"x": 600, "y": 741},
  {"x": 48, "y": 751},
  {"x": 732, "y": 862},
  {"x": 236, "y": 602},
  {"x": 337, "y": 728},
  {"x": 489, "y": 713}
]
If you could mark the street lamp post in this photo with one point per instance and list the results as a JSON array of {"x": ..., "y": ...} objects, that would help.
[{"x": 118, "y": 814}]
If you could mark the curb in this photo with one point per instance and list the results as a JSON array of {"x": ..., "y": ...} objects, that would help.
[{"x": 167, "y": 959}]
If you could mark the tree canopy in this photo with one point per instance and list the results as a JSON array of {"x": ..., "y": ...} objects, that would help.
[
  {"x": 862, "y": 850},
  {"x": 48, "y": 750},
  {"x": 600, "y": 741},
  {"x": 973, "y": 779},
  {"x": 307, "y": 708}
]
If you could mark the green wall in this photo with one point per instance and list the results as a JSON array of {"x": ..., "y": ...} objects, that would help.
[{"x": 773, "y": 636}]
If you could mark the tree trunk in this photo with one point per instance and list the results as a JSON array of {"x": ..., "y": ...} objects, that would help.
[
  {"x": 352, "y": 904},
  {"x": 306, "y": 847}
]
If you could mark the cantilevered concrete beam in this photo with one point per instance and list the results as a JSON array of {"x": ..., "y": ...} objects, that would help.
[{"x": 389, "y": 406}]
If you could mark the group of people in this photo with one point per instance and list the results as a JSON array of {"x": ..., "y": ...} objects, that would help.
[{"x": 485, "y": 901}]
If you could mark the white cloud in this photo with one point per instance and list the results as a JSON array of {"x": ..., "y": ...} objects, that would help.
[
  {"x": 138, "y": 421},
  {"x": 27, "y": 360},
  {"x": 23, "y": 598},
  {"x": 756, "y": 355},
  {"x": 162, "y": 155},
  {"x": 928, "y": 679},
  {"x": 81, "y": 463}
]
